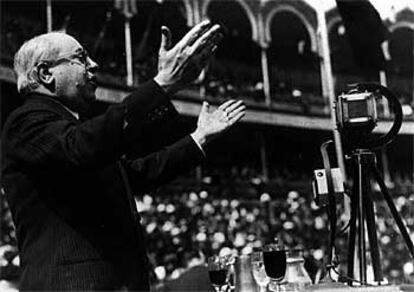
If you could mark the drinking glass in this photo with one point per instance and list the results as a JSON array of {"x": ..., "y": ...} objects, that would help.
[
  {"x": 258, "y": 270},
  {"x": 218, "y": 271},
  {"x": 274, "y": 259}
]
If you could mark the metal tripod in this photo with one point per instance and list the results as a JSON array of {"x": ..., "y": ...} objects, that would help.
[{"x": 362, "y": 211}]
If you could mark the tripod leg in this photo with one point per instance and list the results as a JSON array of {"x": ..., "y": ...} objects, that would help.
[
  {"x": 372, "y": 234},
  {"x": 394, "y": 211},
  {"x": 362, "y": 189},
  {"x": 352, "y": 229}
]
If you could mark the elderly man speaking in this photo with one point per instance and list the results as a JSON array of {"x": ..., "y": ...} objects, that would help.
[{"x": 68, "y": 183}]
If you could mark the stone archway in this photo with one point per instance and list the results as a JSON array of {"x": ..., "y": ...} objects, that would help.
[
  {"x": 252, "y": 19},
  {"x": 401, "y": 66},
  {"x": 236, "y": 66},
  {"x": 289, "y": 8},
  {"x": 332, "y": 22},
  {"x": 292, "y": 53}
]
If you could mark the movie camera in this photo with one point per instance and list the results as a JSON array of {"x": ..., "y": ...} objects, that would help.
[{"x": 357, "y": 117}]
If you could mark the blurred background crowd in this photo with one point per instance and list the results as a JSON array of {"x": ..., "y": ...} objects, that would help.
[{"x": 190, "y": 220}]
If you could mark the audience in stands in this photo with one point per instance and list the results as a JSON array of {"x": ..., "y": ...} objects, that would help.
[{"x": 200, "y": 219}]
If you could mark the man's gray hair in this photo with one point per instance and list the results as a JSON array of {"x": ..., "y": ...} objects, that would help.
[{"x": 43, "y": 47}]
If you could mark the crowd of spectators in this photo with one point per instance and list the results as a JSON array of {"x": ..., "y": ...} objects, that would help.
[{"x": 191, "y": 219}]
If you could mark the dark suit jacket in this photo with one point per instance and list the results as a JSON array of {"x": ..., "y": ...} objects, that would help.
[
  {"x": 77, "y": 225},
  {"x": 194, "y": 279}
]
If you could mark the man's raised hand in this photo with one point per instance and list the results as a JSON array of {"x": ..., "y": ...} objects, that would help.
[
  {"x": 181, "y": 64},
  {"x": 212, "y": 124}
]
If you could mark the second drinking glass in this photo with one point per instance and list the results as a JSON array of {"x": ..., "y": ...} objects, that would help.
[
  {"x": 274, "y": 259},
  {"x": 218, "y": 271}
]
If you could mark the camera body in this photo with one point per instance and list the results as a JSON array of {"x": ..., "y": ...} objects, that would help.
[
  {"x": 357, "y": 116},
  {"x": 356, "y": 109}
]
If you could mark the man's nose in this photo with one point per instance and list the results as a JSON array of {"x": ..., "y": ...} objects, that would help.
[{"x": 92, "y": 65}]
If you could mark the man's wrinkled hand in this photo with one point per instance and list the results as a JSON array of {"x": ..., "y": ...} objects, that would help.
[
  {"x": 183, "y": 63},
  {"x": 212, "y": 124}
]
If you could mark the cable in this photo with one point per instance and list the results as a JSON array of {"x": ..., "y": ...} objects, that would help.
[
  {"x": 343, "y": 229},
  {"x": 331, "y": 199}
]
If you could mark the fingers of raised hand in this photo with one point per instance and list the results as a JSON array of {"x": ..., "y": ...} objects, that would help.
[
  {"x": 237, "y": 117},
  {"x": 199, "y": 44},
  {"x": 207, "y": 41},
  {"x": 165, "y": 39},
  {"x": 231, "y": 111},
  {"x": 205, "y": 107},
  {"x": 226, "y": 104},
  {"x": 231, "y": 107},
  {"x": 195, "y": 33},
  {"x": 234, "y": 113}
]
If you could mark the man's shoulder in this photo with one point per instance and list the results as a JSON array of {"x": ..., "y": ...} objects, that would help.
[
  {"x": 40, "y": 103},
  {"x": 33, "y": 109}
]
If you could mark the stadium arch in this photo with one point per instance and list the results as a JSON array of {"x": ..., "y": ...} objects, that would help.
[
  {"x": 303, "y": 16},
  {"x": 248, "y": 10}
]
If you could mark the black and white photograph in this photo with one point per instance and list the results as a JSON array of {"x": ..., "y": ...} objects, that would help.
[{"x": 207, "y": 145}]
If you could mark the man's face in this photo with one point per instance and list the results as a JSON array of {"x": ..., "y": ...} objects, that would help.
[{"x": 73, "y": 71}]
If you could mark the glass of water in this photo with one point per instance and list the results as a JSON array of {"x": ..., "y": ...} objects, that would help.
[{"x": 258, "y": 270}]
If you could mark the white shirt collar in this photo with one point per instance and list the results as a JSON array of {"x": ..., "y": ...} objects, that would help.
[{"x": 75, "y": 114}]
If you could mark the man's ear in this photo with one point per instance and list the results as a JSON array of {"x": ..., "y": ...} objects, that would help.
[{"x": 44, "y": 75}]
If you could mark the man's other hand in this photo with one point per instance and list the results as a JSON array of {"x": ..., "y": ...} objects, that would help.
[
  {"x": 211, "y": 124},
  {"x": 183, "y": 63}
]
